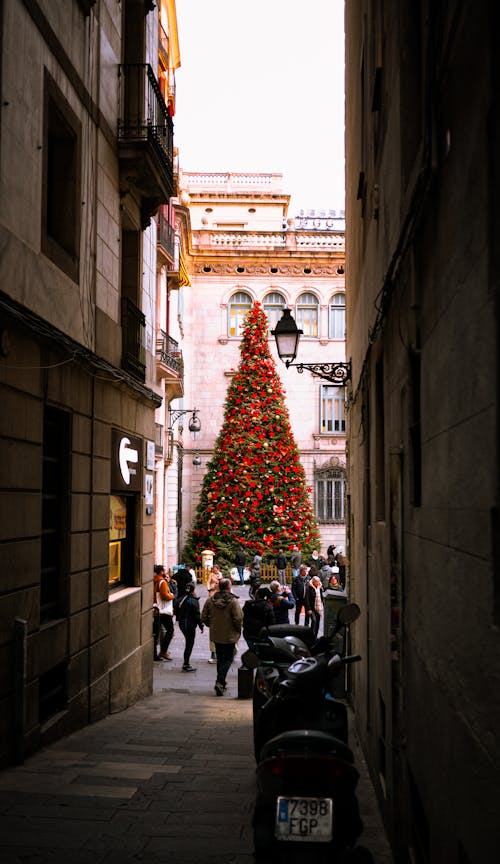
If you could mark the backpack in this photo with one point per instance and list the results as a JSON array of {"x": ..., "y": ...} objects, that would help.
[{"x": 178, "y": 602}]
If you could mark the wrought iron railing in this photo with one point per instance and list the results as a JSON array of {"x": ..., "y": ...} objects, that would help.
[
  {"x": 133, "y": 339},
  {"x": 159, "y": 439},
  {"x": 166, "y": 234},
  {"x": 169, "y": 353},
  {"x": 144, "y": 114}
]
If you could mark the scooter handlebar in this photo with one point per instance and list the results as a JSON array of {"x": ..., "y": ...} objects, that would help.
[{"x": 337, "y": 660}]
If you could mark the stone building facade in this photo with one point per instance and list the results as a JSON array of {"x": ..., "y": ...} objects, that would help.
[
  {"x": 241, "y": 247},
  {"x": 86, "y": 160},
  {"x": 423, "y": 315}
]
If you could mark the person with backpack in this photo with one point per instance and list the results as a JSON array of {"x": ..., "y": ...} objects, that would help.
[{"x": 187, "y": 612}]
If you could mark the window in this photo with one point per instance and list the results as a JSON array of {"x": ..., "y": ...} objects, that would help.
[
  {"x": 61, "y": 195},
  {"x": 332, "y": 409},
  {"x": 273, "y": 304},
  {"x": 55, "y": 506},
  {"x": 307, "y": 316},
  {"x": 336, "y": 317},
  {"x": 330, "y": 494},
  {"x": 121, "y": 540},
  {"x": 239, "y": 305}
]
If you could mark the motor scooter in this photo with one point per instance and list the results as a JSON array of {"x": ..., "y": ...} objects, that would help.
[
  {"x": 306, "y": 807},
  {"x": 282, "y": 644}
]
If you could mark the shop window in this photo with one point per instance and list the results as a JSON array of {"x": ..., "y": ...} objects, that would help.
[
  {"x": 61, "y": 194},
  {"x": 307, "y": 314},
  {"x": 336, "y": 316},
  {"x": 121, "y": 540},
  {"x": 238, "y": 307},
  {"x": 332, "y": 409}
]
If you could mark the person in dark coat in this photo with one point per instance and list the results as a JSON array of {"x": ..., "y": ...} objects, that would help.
[
  {"x": 281, "y": 566},
  {"x": 257, "y": 614},
  {"x": 183, "y": 577},
  {"x": 299, "y": 584},
  {"x": 282, "y": 601},
  {"x": 187, "y": 610}
]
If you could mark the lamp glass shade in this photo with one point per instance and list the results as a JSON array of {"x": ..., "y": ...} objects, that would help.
[
  {"x": 194, "y": 424},
  {"x": 287, "y": 337}
]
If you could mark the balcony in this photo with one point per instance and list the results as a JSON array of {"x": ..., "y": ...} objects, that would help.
[
  {"x": 169, "y": 365},
  {"x": 133, "y": 340},
  {"x": 145, "y": 140},
  {"x": 167, "y": 246}
]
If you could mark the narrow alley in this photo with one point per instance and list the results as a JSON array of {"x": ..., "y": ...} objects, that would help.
[{"x": 169, "y": 779}]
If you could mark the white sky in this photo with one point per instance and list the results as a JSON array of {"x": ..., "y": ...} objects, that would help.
[{"x": 261, "y": 88}]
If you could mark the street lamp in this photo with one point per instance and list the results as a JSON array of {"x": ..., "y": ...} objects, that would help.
[
  {"x": 287, "y": 337},
  {"x": 194, "y": 424}
]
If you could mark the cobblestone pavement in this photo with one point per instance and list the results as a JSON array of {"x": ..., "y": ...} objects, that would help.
[{"x": 171, "y": 779}]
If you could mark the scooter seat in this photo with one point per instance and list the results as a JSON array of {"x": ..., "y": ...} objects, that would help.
[
  {"x": 304, "y": 741},
  {"x": 300, "y": 631}
]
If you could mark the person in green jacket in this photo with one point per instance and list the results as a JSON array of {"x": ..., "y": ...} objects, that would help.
[{"x": 223, "y": 615}]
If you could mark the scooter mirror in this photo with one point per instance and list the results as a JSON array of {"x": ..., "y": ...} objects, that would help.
[
  {"x": 347, "y": 614},
  {"x": 250, "y": 660}
]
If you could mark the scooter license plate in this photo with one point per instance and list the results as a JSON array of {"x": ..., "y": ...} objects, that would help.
[{"x": 304, "y": 819}]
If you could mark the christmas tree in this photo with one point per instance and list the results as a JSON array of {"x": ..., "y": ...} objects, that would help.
[{"x": 254, "y": 493}]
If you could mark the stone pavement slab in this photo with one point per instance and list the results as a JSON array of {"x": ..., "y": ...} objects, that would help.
[{"x": 171, "y": 779}]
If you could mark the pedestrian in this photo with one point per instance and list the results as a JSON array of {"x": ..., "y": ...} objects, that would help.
[
  {"x": 164, "y": 593},
  {"x": 299, "y": 584},
  {"x": 183, "y": 577},
  {"x": 156, "y": 616},
  {"x": 240, "y": 560},
  {"x": 255, "y": 577},
  {"x": 333, "y": 583},
  {"x": 281, "y": 567},
  {"x": 342, "y": 564},
  {"x": 325, "y": 573},
  {"x": 282, "y": 601},
  {"x": 187, "y": 610},
  {"x": 295, "y": 561},
  {"x": 330, "y": 552},
  {"x": 222, "y": 613},
  {"x": 314, "y": 560},
  {"x": 213, "y": 582},
  {"x": 257, "y": 614},
  {"x": 314, "y": 603}
]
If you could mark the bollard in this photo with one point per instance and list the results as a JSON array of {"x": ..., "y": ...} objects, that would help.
[{"x": 245, "y": 683}]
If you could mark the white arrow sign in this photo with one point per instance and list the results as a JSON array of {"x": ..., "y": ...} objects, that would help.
[{"x": 126, "y": 454}]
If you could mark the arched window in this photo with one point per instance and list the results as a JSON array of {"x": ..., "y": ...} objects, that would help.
[
  {"x": 238, "y": 306},
  {"x": 273, "y": 304},
  {"x": 330, "y": 483},
  {"x": 336, "y": 316},
  {"x": 307, "y": 314}
]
